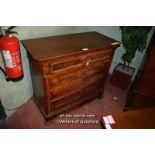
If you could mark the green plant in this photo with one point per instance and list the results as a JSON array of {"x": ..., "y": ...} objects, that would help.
[{"x": 133, "y": 39}]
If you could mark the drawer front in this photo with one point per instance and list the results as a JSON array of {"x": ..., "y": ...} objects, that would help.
[
  {"x": 62, "y": 92},
  {"x": 97, "y": 58},
  {"x": 63, "y": 66},
  {"x": 75, "y": 77},
  {"x": 57, "y": 83},
  {"x": 75, "y": 63},
  {"x": 91, "y": 91},
  {"x": 65, "y": 101},
  {"x": 101, "y": 54},
  {"x": 64, "y": 79},
  {"x": 88, "y": 92},
  {"x": 87, "y": 81},
  {"x": 93, "y": 70}
]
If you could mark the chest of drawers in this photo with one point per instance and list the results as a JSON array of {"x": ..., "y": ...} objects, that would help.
[{"x": 68, "y": 70}]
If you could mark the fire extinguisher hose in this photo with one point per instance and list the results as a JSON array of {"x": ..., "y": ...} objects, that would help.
[{"x": 3, "y": 71}]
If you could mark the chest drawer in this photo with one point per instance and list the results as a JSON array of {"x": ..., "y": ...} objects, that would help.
[
  {"x": 71, "y": 64},
  {"x": 63, "y": 90},
  {"x": 56, "y": 104},
  {"x": 55, "y": 80},
  {"x": 61, "y": 96},
  {"x": 101, "y": 55},
  {"x": 91, "y": 70},
  {"x": 65, "y": 64},
  {"x": 61, "y": 66},
  {"x": 97, "y": 58}
]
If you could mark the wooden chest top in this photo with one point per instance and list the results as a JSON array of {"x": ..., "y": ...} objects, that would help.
[{"x": 55, "y": 46}]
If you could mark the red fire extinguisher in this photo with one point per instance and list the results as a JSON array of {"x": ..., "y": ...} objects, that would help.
[{"x": 9, "y": 46}]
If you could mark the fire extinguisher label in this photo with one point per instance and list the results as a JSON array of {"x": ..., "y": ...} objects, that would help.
[{"x": 7, "y": 58}]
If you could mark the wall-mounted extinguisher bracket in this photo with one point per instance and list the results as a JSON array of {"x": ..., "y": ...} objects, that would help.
[{"x": 9, "y": 46}]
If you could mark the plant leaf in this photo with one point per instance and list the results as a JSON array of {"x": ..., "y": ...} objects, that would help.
[{"x": 133, "y": 38}]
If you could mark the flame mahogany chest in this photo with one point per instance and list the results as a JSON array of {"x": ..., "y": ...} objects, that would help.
[{"x": 68, "y": 70}]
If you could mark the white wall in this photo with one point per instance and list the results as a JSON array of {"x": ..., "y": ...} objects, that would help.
[
  {"x": 27, "y": 32},
  {"x": 14, "y": 94}
]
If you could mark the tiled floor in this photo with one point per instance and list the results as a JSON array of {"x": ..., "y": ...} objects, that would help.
[{"x": 88, "y": 115}]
